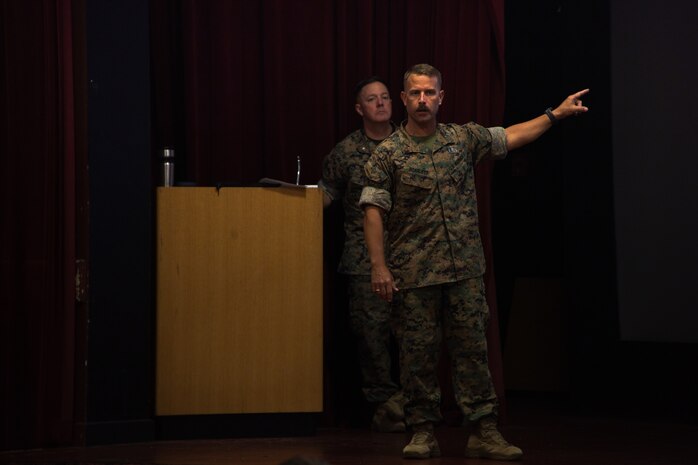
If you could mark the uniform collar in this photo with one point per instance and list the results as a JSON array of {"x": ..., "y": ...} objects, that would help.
[
  {"x": 365, "y": 146},
  {"x": 443, "y": 138}
]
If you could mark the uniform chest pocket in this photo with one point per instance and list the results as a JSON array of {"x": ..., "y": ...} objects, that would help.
[
  {"x": 357, "y": 175},
  {"x": 421, "y": 180},
  {"x": 460, "y": 168}
]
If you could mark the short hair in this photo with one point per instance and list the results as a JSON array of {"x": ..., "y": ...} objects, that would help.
[
  {"x": 364, "y": 82},
  {"x": 422, "y": 69}
]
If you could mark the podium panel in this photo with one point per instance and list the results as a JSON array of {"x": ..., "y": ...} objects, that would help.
[{"x": 239, "y": 300}]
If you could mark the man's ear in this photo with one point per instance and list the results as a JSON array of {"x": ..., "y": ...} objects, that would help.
[{"x": 358, "y": 109}]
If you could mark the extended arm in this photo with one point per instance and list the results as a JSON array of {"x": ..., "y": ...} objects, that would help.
[
  {"x": 524, "y": 133},
  {"x": 381, "y": 278}
]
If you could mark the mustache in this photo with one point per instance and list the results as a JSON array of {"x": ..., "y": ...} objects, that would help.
[{"x": 422, "y": 107}]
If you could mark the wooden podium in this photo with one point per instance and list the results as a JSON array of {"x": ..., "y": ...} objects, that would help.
[{"x": 239, "y": 300}]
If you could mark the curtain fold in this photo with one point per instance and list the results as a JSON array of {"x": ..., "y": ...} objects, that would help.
[
  {"x": 37, "y": 224},
  {"x": 243, "y": 88}
]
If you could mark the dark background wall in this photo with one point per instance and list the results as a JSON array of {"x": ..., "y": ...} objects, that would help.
[
  {"x": 655, "y": 190},
  {"x": 554, "y": 238},
  {"x": 594, "y": 223},
  {"x": 120, "y": 327}
]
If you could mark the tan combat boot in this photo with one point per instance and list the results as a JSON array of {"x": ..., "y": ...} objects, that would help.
[
  {"x": 384, "y": 423},
  {"x": 389, "y": 416},
  {"x": 422, "y": 446},
  {"x": 488, "y": 443},
  {"x": 395, "y": 406}
]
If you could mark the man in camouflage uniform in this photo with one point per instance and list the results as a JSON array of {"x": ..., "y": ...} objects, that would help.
[
  {"x": 343, "y": 178},
  {"x": 421, "y": 190}
]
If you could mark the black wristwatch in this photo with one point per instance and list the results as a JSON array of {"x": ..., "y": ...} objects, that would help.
[{"x": 549, "y": 114}]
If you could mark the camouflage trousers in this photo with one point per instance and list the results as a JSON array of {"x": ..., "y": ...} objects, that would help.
[
  {"x": 459, "y": 312},
  {"x": 370, "y": 320}
]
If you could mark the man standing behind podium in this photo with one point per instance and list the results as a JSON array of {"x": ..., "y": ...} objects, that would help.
[{"x": 343, "y": 179}]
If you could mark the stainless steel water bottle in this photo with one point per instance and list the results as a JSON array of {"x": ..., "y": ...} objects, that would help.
[{"x": 168, "y": 167}]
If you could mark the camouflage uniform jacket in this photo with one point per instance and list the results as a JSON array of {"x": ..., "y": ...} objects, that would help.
[
  {"x": 429, "y": 196},
  {"x": 343, "y": 178}
]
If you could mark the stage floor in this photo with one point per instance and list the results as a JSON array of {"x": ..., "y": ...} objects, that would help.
[{"x": 547, "y": 433}]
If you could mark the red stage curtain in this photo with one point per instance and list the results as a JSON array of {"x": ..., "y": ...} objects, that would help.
[{"x": 37, "y": 223}]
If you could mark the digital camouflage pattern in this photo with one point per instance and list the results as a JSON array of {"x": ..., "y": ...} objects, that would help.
[
  {"x": 462, "y": 309},
  {"x": 429, "y": 197},
  {"x": 343, "y": 177},
  {"x": 435, "y": 253},
  {"x": 370, "y": 320}
]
